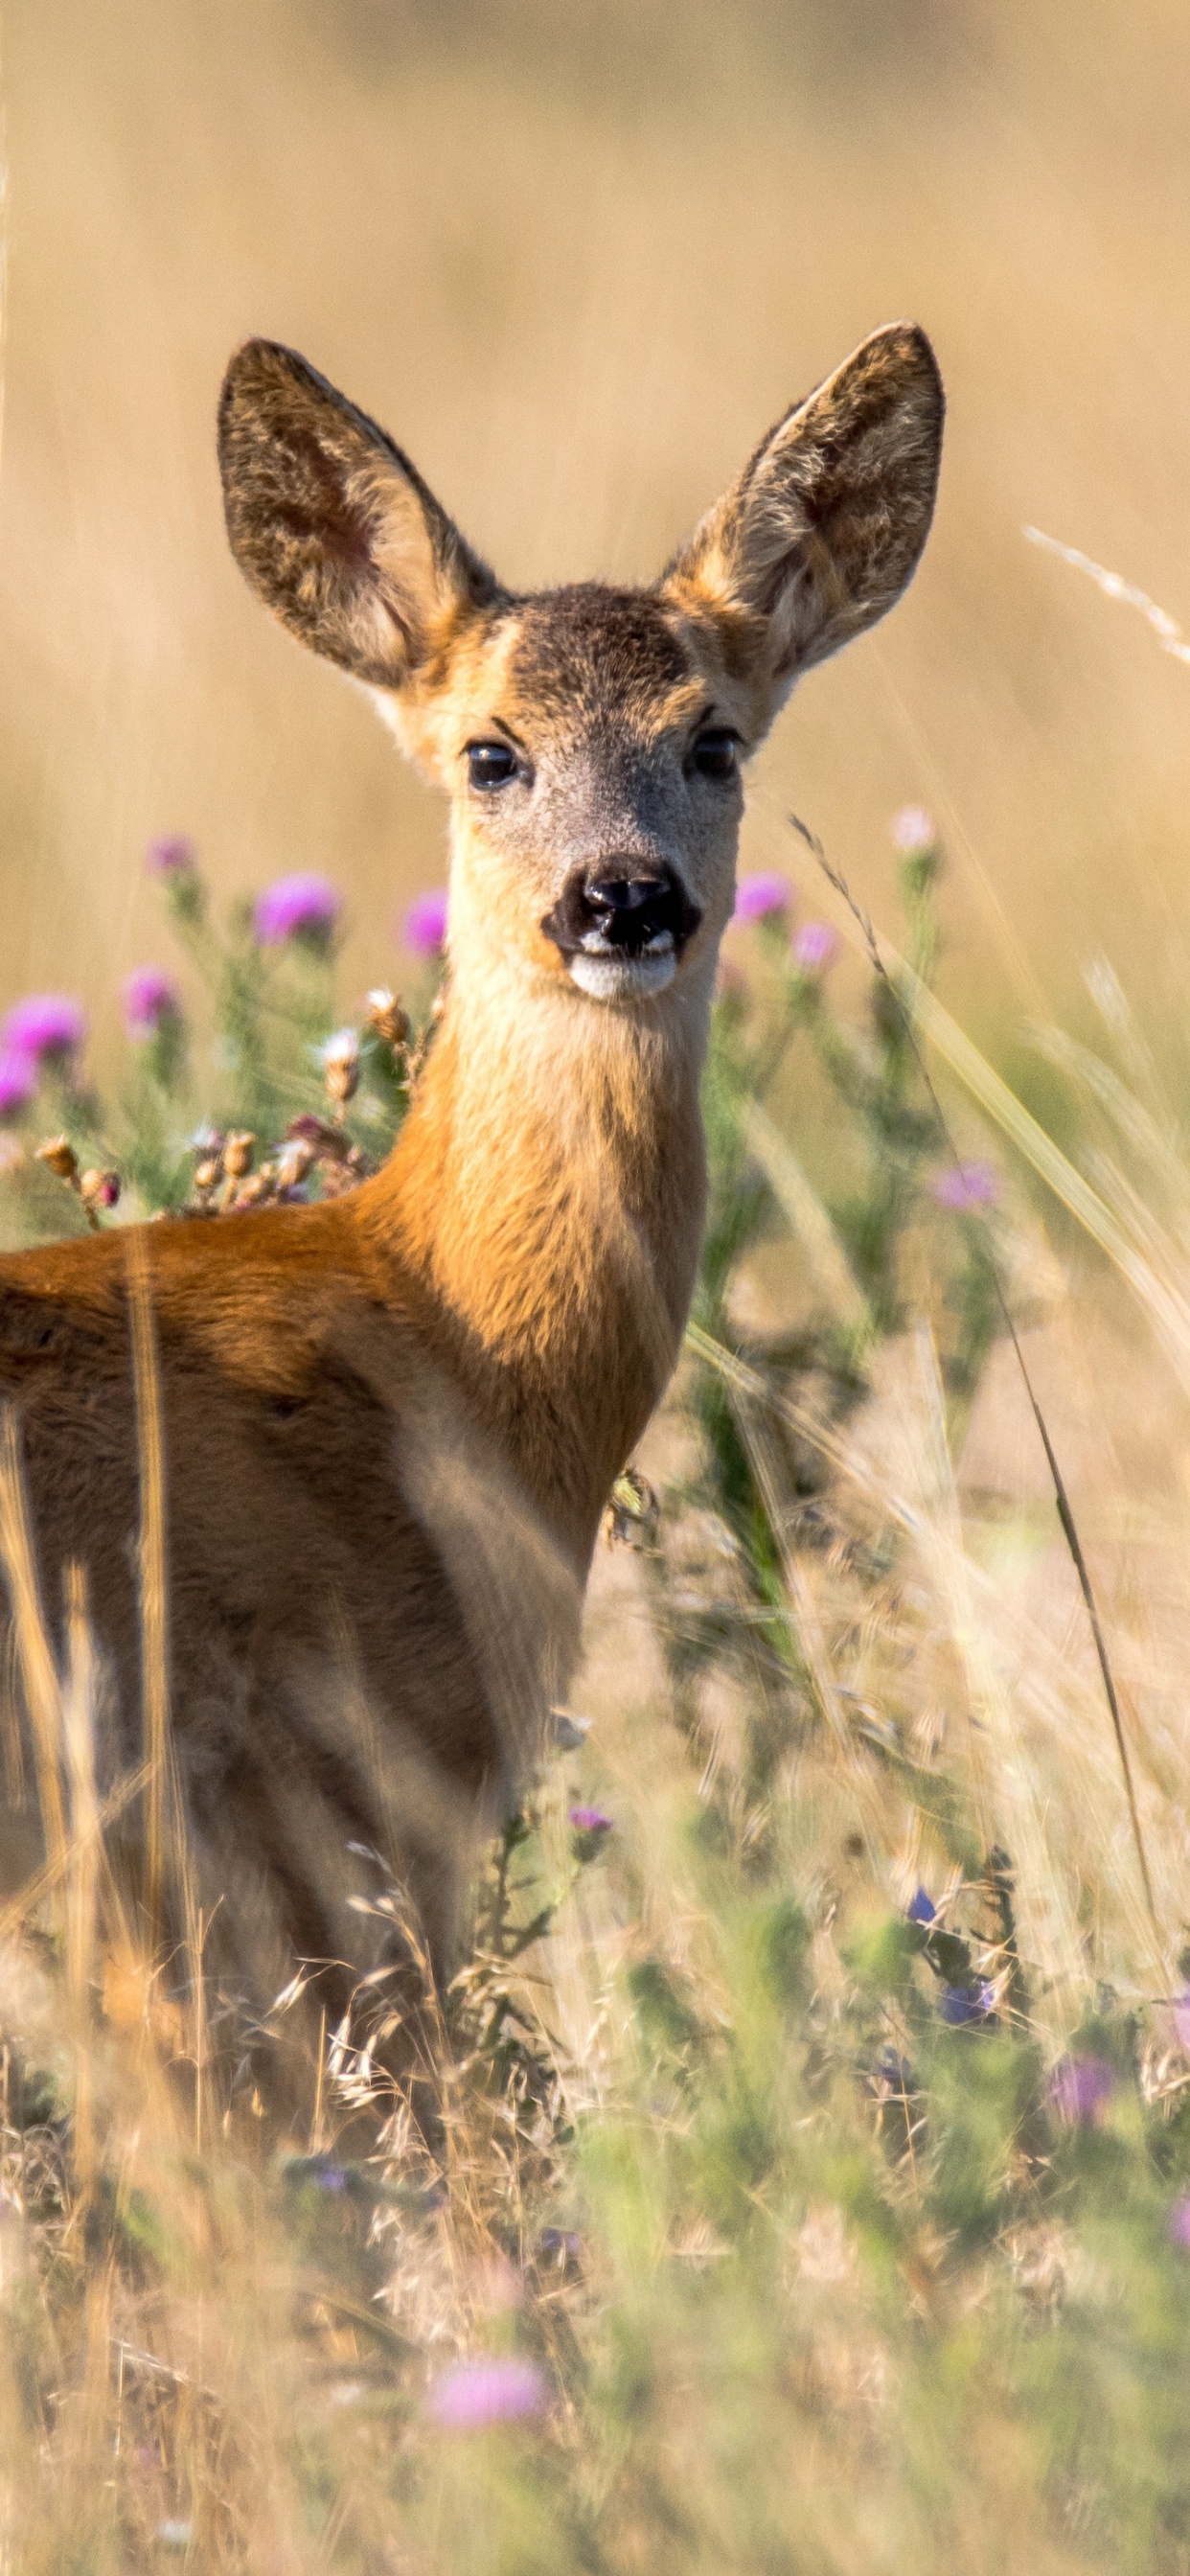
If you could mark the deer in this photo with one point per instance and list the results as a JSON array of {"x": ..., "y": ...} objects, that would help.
[{"x": 389, "y": 1422}]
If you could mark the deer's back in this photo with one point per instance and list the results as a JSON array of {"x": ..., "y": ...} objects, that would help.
[{"x": 324, "y": 1692}]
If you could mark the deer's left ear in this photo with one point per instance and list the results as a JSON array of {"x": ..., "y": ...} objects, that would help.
[
  {"x": 825, "y": 525},
  {"x": 333, "y": 527}
]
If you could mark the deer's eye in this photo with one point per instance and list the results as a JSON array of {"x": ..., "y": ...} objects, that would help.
[
  {"x": 714, "y": 754},
  {"x": 492, "y": 764}
]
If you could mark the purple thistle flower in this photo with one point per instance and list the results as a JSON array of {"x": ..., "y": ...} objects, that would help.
[
  {"x": 172, "y": 854},
  {"x": 914, "y": 831},
  {"x": 424, "y": 925},
  {"x": 967, "y": 1186},
  {"x": 149, "y": 997},
  {"x": 815, "y": 947},
  {"x": 920, "y": 1910},
  {"x": 1081, "y": 2088},
  {"x": 590, "y": 1820},
  {"x": 475, "y": 2394},
  {"x": 962, "y": 2004},
  {"x": 45, "y": 1025},
  {"x": 305, "y": 906},
  {"x": 562, "y": 2241},
  {"x": 760, "y": 896},
  {"x": 18, "y": 1081},
  {"x": 1178, "y": 2222}
]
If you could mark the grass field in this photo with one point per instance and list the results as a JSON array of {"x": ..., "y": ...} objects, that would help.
[
  {"x": 800, "y": 2173},
  {"x": 807, "y": 2180}
]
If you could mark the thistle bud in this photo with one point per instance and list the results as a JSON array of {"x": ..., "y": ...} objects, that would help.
[
  {"x": 328, "y": 1144},
  {"x": 387, "y": 1020},
  {"x": 237, "y": 1155},
  {"x": 99, "y": 1190},
  {"x": 294, "y": 1162},
  {"x": 340, "y": 1066},
  {"x": 59, "y": 1156},
  {"x": 208, "y": 1172},
  {"x": 346, "y": 1174}
]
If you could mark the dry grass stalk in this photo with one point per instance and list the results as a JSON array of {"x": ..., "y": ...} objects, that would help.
[
  {"x": 34, "y": 1652},
  {"x": 153, "y": 1600},
  {"x": 1113, "y": 585},
  {"x": 809, "y": 1629},
  {"x": 800, "y": 1204},
  {"x": 78, "y": 1726}
]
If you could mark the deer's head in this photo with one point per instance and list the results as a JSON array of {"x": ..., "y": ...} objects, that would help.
[{"x": 590, "y": 738}]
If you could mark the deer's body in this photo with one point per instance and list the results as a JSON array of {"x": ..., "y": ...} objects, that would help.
[
  {"x": 388, "y": 1442},
  {"x": 391, "y": 1422}
]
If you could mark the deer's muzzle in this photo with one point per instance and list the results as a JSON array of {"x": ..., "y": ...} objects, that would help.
[{"x": 622, "y": 914}]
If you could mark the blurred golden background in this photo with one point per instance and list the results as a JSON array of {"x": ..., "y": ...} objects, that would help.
[{"x": 577, "y": 254}]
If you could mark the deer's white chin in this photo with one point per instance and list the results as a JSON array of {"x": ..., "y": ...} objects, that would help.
[{"x": 621, "y": 979}]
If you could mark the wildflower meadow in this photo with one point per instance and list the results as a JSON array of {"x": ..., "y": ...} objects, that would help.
[
  {"x": 794, "y": 2177},
  {"x": 800, "y": 2174}
]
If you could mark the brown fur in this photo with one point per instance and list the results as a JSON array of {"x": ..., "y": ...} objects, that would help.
[{"x": 391, "y": 1422}]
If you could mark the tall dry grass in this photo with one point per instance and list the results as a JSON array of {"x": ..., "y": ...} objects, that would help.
[
  {"x": 742, "y": 2213},
  {"x": 811, "y": 2278}
]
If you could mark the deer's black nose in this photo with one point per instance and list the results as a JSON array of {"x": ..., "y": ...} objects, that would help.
[
  {"x": 622, "y": 894},
  {"x": 622, "y": 911}
]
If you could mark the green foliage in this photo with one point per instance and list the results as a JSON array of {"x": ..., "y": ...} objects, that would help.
[
  {"x": 824, "y": 2245},
  {"x": 250, "y": 1063}
]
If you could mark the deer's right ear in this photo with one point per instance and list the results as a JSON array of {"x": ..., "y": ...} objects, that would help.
[
  {"x": 333, "y": 527},
  {"x": 826, "y": 523}
]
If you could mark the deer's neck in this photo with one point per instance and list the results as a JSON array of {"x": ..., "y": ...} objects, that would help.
[{"x": 544, "y": 1206}]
